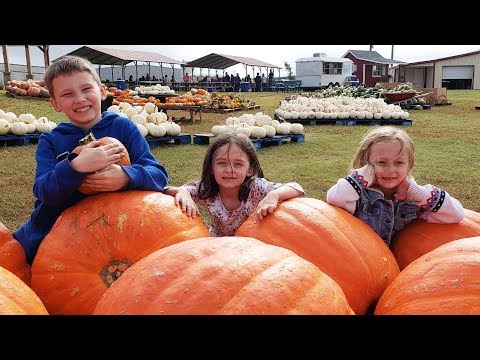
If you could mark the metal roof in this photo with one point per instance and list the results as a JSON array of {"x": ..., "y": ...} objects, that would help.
[
  {"x": 372, "y": 56},
  {"x": 106, "y": 56},
  {"x": 218, "y": 61}
]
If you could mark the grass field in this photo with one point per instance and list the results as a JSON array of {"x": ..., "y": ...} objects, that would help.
[{"x": 447, "y": 152}]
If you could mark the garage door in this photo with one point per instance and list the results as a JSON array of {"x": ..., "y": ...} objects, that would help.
[{"x": 458, "y": 72}]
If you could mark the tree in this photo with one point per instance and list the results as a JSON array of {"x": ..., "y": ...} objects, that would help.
[{"x": 288, "y": 68}]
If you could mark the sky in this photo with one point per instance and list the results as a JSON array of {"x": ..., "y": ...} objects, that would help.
[{"x": 273, "y": 54}]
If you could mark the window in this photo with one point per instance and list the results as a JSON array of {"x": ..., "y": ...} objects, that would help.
[
  {"x": 331, "y": 68},
  {"x": 376, "y": 70}
]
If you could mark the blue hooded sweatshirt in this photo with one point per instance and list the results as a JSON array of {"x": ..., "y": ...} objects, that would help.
[{"x": 56, "y": 181}]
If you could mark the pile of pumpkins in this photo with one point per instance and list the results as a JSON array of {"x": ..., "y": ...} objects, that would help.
[
  {"x": 23, "y": 124},
  {"x": 135, "y": 252},
  {"x": 27, "y": 88},
  {"x": 339, "y": 107},
  {"x": 257, "y": 125},
  {"x": 148, "y": 119}
]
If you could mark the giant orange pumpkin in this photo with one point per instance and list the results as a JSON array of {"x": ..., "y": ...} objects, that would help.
[
  {"x": 223, "y": 275},
  {"x": 420, "y": 237},
  {"x": 12, "y": 256},
  {"x": 125, "y": 160},
  {"x": 341, "y": 245},
  {"x": 444, "y": 281},
  {"x": 16, "y": 298},
  {"x": 95, "y": 240}
]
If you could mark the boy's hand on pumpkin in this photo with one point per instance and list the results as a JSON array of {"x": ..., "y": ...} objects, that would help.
[{"x": 94, "y": 157}]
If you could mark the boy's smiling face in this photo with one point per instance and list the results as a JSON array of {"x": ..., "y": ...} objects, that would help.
[{"x": 79, "y": 97}]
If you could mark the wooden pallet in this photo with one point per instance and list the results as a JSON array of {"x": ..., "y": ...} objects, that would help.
[
  {"x": 352, "y": 121},
  {"x": 278, "y": 140},
  {"x": 224, "y": 111},
  {"x": 181, "y": 139},
  {"x": 19, "y": 140},
  {"x": 204, "y": 139}
]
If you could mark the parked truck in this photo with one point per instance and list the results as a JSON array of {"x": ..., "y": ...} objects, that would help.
[{"x": 320, "y": 71}]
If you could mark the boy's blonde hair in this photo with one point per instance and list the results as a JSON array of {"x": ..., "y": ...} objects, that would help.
[
  {"x": 68, "y": 64},
  {"x": 382, "y": 134}
]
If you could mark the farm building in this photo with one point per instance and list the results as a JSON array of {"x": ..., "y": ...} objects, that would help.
[
  {"x": 454, "y": 72},
  {"x": 369, "y": 66}
]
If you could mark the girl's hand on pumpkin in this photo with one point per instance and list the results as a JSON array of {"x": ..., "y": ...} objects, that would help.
[
  {"x": 266, "y": 206},
  {"x": 94, "y": 157},
  {"x": 188, "y": 206}
]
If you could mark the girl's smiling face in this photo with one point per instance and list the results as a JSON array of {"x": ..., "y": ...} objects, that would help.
[
  {"x": 391, "y": 166},
  {"x": 79, "y": 97},
  {"x": 230, "y": 166}
]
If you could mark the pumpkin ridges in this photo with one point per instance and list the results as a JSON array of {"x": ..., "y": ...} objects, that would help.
[
  {"x": 17, "y": 298},
  {"x": 341, "y": 245},
  {"x": 223, "y": 275},
  {"x": 441, "y": 282},
  {"x": 100, "y": 228},
  {"x": 12, "y": 256},
  {"x": 420, "y": 236}
]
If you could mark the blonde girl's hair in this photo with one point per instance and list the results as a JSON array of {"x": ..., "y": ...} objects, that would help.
[
  {"x": 67, "y": 65},
  {"x": 381, "y": 134}
]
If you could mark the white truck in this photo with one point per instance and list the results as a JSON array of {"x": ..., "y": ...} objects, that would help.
[{"x": 320, "y": 71}]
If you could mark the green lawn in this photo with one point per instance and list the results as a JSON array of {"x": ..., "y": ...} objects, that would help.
[{"x": 447, "y": 152}]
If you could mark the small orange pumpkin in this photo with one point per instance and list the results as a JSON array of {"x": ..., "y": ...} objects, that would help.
[
  {"x": 16, "y": 298},
  {"x": 12, "y": 256},
  {"x": 95, "y": 240},
  {"x": 125, "y": 160},
  {"x": 420, "y": 236},
  {"x": 227, "y": 275},
  {"x": 444, "y": 281}
]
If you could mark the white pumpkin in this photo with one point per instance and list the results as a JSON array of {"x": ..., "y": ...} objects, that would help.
[
  {"x": 26, "y": 118},
  {"x": 150, "y": 108},
  {"x": 218, "y": 129},
  {"x": 143, "y": 129},
  {"x": 157, "y": 130},
  {"x": 258, "y": 132},
  {"x": 139, "y": 119},
  {"x": 18, "y": 128},
  {"x": 4, "y": 127},
  {"x": 296, "y": 128},
  {"x": 270, "y": 130},
  {"x": 130, "y": 112},
  {"x": 114, "y": 109}
]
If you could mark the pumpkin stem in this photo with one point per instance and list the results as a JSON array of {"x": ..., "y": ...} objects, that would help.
[
  {"x": 87, "y": 139},
  {"x": 113, "y": 270}
]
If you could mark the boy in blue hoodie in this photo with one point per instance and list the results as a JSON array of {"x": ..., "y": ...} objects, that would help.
[{"x": 76, "y": 90}]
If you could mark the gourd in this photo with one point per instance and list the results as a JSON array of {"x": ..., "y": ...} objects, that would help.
[
  {"x": 95, "y": 240},
  {"x": 444, "y": 281},
  {"x": 341, "y": 245},
  {"x": 420, "y": 236},
  {"x": 12, "y": 256},
  {"x": 125, "y": 160},
  {"x": 17, "y": 298},
  {"x": 223, "y": 275}
]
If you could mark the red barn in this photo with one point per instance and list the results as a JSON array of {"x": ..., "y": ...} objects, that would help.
[{"x": 369, "y": 66}]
